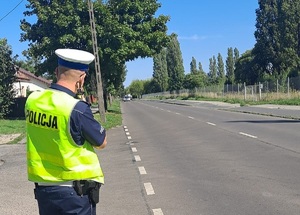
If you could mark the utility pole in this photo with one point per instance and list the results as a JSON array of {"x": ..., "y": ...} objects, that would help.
[{"x": 97, "y": 63}]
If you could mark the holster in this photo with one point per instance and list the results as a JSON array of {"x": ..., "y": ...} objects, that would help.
[{"x": 87, "y": 187}]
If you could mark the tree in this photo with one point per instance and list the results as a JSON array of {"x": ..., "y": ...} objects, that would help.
[
  {"x": 130, "y": 29},
  {"x": 200, "y": 68},
  {"x": 220, "y": 70},
  {"x": 230, "y": 66},
  {"x": 236, "y": 55},
  {"x": 150, "y": 86},
  {"x": 192, "y": 81},
  {"x": 212, "y": 74},
  {"x": 175, "y": 64},
  {"x": 277, "y": 35},
  {"x": 7, "y": 78},
  {"x": 136, "y": 88},
  {"x": 160, "y": 71},
  {"x": 193, "y": 65},
  {"x": 125, "y": 29},
  {"x": 246, "y": 70}
]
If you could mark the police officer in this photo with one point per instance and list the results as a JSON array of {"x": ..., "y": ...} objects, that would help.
[{"x": 61, "y": 136}]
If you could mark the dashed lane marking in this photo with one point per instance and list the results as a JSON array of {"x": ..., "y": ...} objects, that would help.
[
  {"x": 137, "y": 158},
  {"x": 157, "y": 211},
  {"x": 190, "y": 117},
  {"x": 142, "y": 170},
  {"x": 149, "y": 189},
  {"x": 210, "y": 123},
  {"x": 248, "y": 135},
  {"x": 148, "y": 186}
]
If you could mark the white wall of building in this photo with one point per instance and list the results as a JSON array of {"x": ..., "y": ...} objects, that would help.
[{"x": 33, "y": 85}]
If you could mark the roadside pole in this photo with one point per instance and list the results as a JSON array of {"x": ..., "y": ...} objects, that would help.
[{"x": 97, "y": 63}]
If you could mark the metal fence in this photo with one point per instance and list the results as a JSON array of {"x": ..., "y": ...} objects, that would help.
[{"x": 288, "y": 89}]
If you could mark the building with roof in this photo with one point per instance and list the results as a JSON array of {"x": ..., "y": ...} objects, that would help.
[{"x": 28, "y": 82}]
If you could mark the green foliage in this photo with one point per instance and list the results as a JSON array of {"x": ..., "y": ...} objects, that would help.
[
  {"x": 136, "y": 88},
  {"x": 277, "y": 36},
  {"x": 175, "y": 64},
  {"x": 220, "y": 70},
  {"x": 192, "y": 81},
  {"x": 59, "y": 24},
  {"x": 245, "y": 70},
  {"x": 7, "y": 78},
  {"x": 160, "y": 71},
  {"x": 150, "y": 86},
  {"x": 212, "y": 74},
  {"x": 193, "y": 66},
  {"x": 125, "y": 29},
  {"x": 200, "y": 68},
  {"x": 230, "y": 66}
]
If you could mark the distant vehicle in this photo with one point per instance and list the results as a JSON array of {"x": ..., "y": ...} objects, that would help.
[{"x": 126, "y": 98}]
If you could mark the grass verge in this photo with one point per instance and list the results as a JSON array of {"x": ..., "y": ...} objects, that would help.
[
  {"x": 113, "y": 115},
  {"x": 14, "y": 126}
]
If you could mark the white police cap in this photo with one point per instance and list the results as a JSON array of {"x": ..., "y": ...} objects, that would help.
[{"x": 74, "y": 58}]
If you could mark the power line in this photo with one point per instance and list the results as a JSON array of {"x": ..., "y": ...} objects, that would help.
[{"x": 11, "y": 10}]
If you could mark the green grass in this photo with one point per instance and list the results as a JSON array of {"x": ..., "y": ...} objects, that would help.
[
  {"x": 113, "y": 116},
  {"x": 14, "y": 126}
]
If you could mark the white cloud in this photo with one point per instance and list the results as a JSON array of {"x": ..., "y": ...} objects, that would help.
[{"x": 194, "y": 37}]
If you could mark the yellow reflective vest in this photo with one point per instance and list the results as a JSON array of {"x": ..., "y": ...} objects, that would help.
[{"x": 52, "y": 154}]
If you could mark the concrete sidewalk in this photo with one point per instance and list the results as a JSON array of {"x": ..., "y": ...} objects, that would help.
[
  {"x": 282, "y": 111},
  {"x": 123, "y": 191}
]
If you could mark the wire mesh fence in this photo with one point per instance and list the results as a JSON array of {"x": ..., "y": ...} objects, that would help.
[{"x": 288, "y": 89}]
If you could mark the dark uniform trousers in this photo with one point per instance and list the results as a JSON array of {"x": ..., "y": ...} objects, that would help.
[{"x": 62, "y": 200}]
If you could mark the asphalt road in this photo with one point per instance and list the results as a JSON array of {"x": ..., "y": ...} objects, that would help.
[
  {"x": 188, "y": 159},
  {"x": 206, "y": 161}
]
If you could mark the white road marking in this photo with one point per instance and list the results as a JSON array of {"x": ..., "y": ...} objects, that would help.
[
  {"x": 248, "y": 135},
  {"x": 169, "y": 111},
  {"x": 125, "y": 126},
  {"x": 126, "y": 129},
  {"x": 137, "y": 158},
  {"x": 177, "y": 113},
  {"x": 190, "y": 117},
  {"x": 157, "y": 211},
  {"x": 129, "y": 137},
  {"x": 210, "y": 123},
  {"x": 142, "y": 170},
  {"x": 133, "y": 149},
  {"x": 127, "y": 133},
  {"x": 149, "y": 189}
]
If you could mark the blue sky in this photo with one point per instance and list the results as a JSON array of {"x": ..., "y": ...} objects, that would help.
[{"x": 204, "y": 28}]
